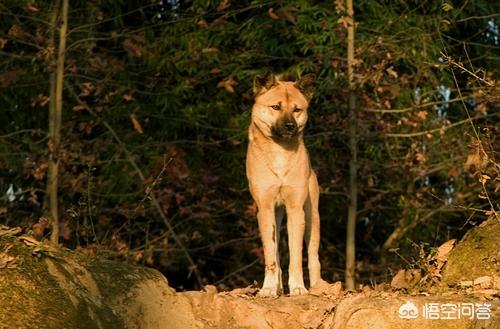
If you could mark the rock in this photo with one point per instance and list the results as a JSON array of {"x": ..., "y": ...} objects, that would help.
[
  {"x": 477, "y": 255},
  {"x": 55, "y": 288},
  {"x": 42, "y": 286}
]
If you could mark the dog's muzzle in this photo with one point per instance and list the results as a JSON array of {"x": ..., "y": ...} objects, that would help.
[{"x": 285, "y": 128}]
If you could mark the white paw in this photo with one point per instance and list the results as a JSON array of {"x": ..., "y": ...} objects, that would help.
[
  {"x": 268, "y": 292},
  {"x": 298, "y": 291}
]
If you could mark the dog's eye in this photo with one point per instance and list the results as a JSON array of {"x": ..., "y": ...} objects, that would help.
[
  {"x": 276, "y": 107},
  {"x": 297, "y": 110}
]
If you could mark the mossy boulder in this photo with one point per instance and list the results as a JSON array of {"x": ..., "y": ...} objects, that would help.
[
  {"x": 46, "y": 287},
  {"x": 477, "y": 254}
]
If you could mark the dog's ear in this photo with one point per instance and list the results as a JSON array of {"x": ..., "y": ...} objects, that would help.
[
  {"x": 265, "y": 81},
  {"x": 306, "y": 85}
]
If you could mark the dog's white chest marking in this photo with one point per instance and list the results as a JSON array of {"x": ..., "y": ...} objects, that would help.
[{"x": 280, "y": 164}]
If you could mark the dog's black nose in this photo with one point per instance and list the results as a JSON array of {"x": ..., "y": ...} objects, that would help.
[{"x": 290, "y": 125}]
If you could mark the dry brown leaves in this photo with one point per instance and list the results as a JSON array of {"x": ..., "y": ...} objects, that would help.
[
  {"x": 323, "y": 288},
  {"x": 406, "y": 279},
  {"x": 483, "y": 287},
  {"x": 442, "y": 253},
  {"x": 247, "y": 292},
  {"x": 9, "y": 231},
  {"x": 135, "y": 122},
  {"x": 6, "y": 260},
  {"x": 227, "y": 84}
]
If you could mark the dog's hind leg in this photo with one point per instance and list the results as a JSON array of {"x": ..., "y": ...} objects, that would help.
[
  {"x": 312, "y": 235},
  {"x": 279, "y": 213}
]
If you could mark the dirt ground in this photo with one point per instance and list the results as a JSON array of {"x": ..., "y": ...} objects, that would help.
[
  {"x": 42, "y": 286},
  {"x": 335, "y": 308}
]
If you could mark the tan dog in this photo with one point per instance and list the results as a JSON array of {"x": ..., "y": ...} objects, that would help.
[{"x": 280, "y": 177}]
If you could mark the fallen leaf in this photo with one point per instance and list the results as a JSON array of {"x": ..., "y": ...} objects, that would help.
[
  {"x": 367, "y": 291},
  {"x": 228, "y": 84},
  {"x": 422, "y": 115},
  {"x": 136, "y": 123},
  {"x": 8, "y": 78},
  {"x": 3, "y": 42},
  {"x": 39, "y": 228},
  {"x": 202, "y": 23},
  {"x": 286, "y": 12},
  {"x": 210, "y": 289},
  {"x": 406, "y": 279},
  {"x": 486, "y": 293},
  {"x": 7, "y": 261},
  {"x": 79, "y": 107},
  {"x": 481, "y": 108},
  {"x": 466, "y": 284},
  {"x": 421, "y": 157},
  {"x": 39, "y": 171},
  {"x": 16, "y": 31},
  {"x": 41, "y": 100},
  {"x": 32, "y": 7},
  {"x": 443, "y": 252},
  {"x": 223, "y": 5},
  {"x": 251, "y": 290},
  {"x": 209, "y": 50},
  {"x": 29, "y": 241},
  {"x": 133, "y": 48},
  {"x": 45, "y": 249},
  {"x": 483, "y": 282},
  {"x": 345, "y": 21},
  {"x": 323, "y": 288},
  {"x": 446, "y": 6},
  {"x": 391, "y": 72},
  {"x": 271, "y": 14},
  {"x": 128, "y": 97},
  {"x": 484, "y": 178},
  {"x": 9, "y": 231},
  {"x": 340, "y": 6},
  {"x": 496, "y": 282},
  {"x": 87, "y": 89}
]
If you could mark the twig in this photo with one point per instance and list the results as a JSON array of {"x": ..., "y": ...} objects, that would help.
[
  {"x": 22, "y": 131},
  {"x": 460, "y": 66},
  {"x": 404, "y": 227},
  {"x": 241, "y": 269},
  {"x": 476, "y": 17},
  {"x": 411, "y": 108},
  {"x": 192, "y": 266},
  {"x": 469, "y": 118},
  {"x": 150, "y": 188},
  {"x": 430, "y": 131}
]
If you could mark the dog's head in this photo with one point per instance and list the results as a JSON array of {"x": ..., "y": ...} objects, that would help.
[{"x": 280, "y": 109}]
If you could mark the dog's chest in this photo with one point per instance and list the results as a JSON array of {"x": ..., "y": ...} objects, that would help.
[{"x": 280, "y": 163}]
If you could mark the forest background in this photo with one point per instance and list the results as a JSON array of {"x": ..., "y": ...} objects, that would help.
[{"x": 156, "y": 97}]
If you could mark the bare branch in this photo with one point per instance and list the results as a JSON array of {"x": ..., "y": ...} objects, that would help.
[{"x": 193, "y": 267}]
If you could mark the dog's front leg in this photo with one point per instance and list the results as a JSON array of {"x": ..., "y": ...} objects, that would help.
[
  {"x": 295, "y": 227},
  {"x": 268, "y": 232}
]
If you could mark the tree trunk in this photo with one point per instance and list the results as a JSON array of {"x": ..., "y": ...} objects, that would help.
[
  {"x": 353, "y": 188},
  {"x": 55, "y": 115}
]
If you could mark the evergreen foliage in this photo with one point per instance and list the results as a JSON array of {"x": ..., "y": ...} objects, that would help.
[{"x": 167, "y": 85}]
